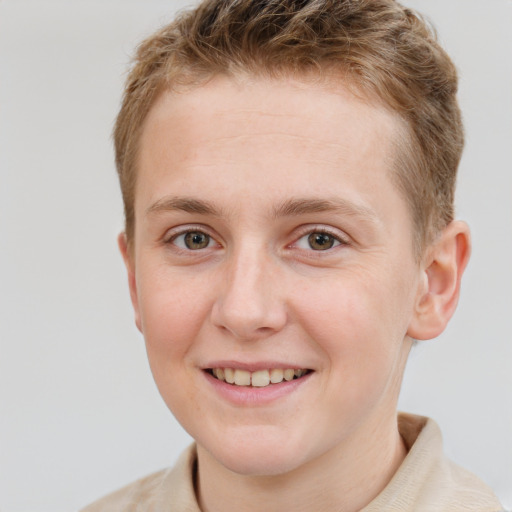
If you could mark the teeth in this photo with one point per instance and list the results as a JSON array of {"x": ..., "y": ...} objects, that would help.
[
  {"x": 242, "y": 378},
  {"x": 288, "y": 374},
  {"x": 276, "y": 376},
  {"x": 260, "y": 378},
  {"x": 229, "y": 375}
]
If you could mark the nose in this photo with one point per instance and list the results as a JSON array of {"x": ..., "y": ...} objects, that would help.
[{"x": 250, "y": 302}]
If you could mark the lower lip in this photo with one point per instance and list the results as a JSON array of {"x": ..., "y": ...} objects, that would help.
[{"x": 253, "y": 396}]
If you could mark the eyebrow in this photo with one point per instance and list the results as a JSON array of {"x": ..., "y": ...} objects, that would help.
[
  {"x": 184, "y": 204},
  {"x": 302, "y": 206},
  {"x": 288, "y": 208}
]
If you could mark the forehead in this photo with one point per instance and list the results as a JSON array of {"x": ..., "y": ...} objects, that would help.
[
  {"x": 266, "y": 136},
  {"x": 302, "y": 107}
]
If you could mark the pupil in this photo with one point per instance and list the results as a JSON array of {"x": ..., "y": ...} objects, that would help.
[
  {"x": 320, "y": 241},
  {"x": 195, "y": 240}
]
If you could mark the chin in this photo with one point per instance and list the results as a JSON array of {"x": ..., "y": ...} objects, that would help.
[
  {"x": 258, "y": 455},
  {"x": 259, "y": 464}
]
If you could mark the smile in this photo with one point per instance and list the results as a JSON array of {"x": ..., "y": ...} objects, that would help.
[{"x": 259, "y": 379}]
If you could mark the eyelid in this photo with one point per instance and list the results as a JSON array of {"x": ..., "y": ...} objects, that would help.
[
  {"x": 338, "y": 235},
  {"x": 171, "y": 234}
]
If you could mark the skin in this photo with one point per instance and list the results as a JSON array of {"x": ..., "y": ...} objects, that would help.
[{"x": 258, "y": 166}]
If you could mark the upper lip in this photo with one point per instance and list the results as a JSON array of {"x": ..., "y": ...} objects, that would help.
[{"x": 253, "y": 366}]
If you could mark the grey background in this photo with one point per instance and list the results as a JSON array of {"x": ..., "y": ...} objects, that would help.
[{"x": 79, "y": 413}]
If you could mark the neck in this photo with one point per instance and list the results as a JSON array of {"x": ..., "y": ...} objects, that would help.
[{"x": 345, "y": 479}]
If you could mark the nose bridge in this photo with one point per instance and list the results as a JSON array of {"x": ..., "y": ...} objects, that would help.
[{"x": 249, "y": 304}]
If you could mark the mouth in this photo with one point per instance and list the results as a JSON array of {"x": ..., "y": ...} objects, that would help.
[{"x": 257, "y": 379}]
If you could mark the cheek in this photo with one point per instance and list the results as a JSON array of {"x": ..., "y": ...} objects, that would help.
[
  {"x": 172, "y": 310},
  {"x": 361, "y": 346},
  {"x": 172, "y": 314},
  {"x": 359, "y": 323}
]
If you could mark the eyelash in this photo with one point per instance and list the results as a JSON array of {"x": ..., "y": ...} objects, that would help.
[
  {"x": 321, "y": 230},
  {"x": 171, "y": 239}
]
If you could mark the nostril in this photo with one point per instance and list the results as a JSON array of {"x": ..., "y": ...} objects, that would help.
[
  {"x": 248, "y": 323},
  {"x": 247, "y": 304}
]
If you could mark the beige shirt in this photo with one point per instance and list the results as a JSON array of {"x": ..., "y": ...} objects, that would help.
[{"x": 425, "y": 482}]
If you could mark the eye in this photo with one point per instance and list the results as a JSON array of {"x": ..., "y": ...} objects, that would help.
[
  {"x": 192, "y": 240},
  {"x": 318, "y": 241}
]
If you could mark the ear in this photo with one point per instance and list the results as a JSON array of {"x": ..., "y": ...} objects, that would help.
[
  {"x": 128, "y": 258},
  {"x": 442, "y": 269}
]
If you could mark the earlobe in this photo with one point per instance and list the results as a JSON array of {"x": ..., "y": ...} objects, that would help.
[
  {"x": 439, "y": 288},
  {"x": 127, "y": 255}
]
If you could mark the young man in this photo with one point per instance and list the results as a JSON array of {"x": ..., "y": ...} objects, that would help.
[{"x": 288, "y": 171}]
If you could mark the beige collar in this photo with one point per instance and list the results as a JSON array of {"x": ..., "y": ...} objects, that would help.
[{"x": 425, "y": 482}]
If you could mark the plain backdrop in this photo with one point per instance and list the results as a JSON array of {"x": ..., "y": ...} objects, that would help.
[{"x": 79, "y": 413}]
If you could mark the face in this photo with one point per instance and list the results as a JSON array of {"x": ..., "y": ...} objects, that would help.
[{"x": 272, "y": 272}]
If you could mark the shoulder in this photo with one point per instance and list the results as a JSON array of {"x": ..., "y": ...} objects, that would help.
[
  {"x": 427, "y": 480},
  {"x": 133, "y": 496},
  {"x": 156, "y": 492}
]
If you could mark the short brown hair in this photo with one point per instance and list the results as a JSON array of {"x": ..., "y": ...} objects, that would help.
[{"x": 386, "y": 51}]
